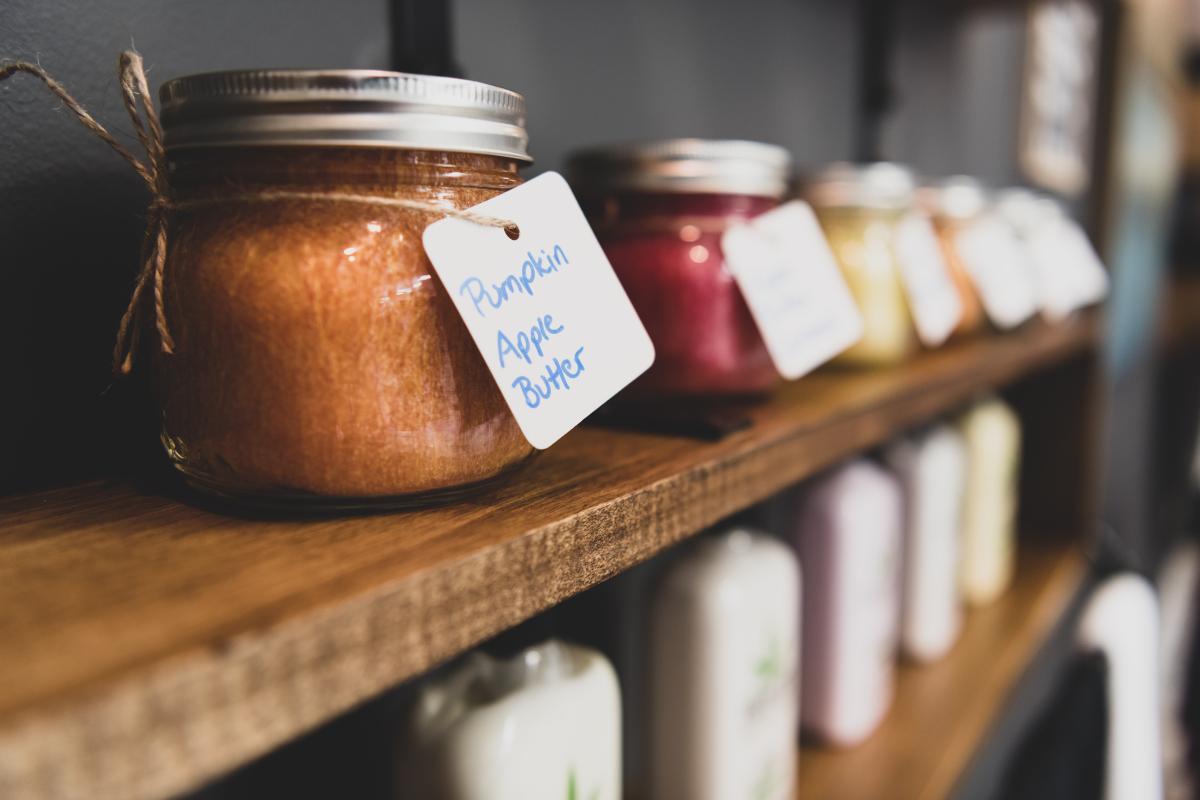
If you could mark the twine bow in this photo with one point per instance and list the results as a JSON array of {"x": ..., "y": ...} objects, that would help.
[
  {"x": 139, "y": 104},
  {"x": 134, "y": 91}
]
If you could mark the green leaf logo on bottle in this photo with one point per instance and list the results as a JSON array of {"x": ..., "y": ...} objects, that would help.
[
  {"x": 767, "y": 786},
  {"x": 769, "y": 666},
  {"x": 772, "y": 673},
  {"x": 573, "y": 788}
]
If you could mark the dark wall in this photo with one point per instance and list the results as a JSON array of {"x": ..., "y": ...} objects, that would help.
[
  {"x": 71, "y": 210},
  {"x": 957, "y": 83},
  {"x": 781, "y": 71}
]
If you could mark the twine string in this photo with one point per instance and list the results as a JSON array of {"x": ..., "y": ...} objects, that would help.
[{"x": 139, "y": 105}]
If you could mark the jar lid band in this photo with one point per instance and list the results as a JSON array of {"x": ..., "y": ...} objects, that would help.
[
  {"x": 367, "y": 108},
  {"x": 959, "y": 197},
  {"x": 700, "y": 166},
  {"x": 879, "y": 185}
]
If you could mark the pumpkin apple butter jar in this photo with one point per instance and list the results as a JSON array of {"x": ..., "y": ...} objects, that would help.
[
  {"x": 317, "y": 358},
  {"x": 659, "y": 210}
]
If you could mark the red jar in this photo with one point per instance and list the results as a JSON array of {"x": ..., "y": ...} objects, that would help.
[{"x": 659, "y": 210}]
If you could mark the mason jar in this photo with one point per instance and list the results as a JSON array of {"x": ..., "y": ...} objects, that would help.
[
  {"x": 860, "y": 207},
  {"x": 317, "y": 358},
  {"x": 955, "y": 204},
  {"x": 659, "y": 210}
]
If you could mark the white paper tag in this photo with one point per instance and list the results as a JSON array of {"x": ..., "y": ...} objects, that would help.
[
  {"x": 999, "y": 267},
  {"x": 1070, "y": 273},
  {"x": 932, "y": 298},
  {"x": 546, "y": 311},
  {"x": 793, "y": 286}
]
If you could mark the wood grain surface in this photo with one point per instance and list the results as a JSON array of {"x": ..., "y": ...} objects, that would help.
[
  {"x": 1179, "y": 320},
  {"x": 148, "y": 645},
  {"x": 943, "y": 710}
]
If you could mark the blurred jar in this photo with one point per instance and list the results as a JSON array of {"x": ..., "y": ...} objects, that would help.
[
  {"x": 860, "y": 207},
  {"x": 659, "y": 210},
  {"x": 954, "y": 205},
  {"x": 1024, "y": 210},
  {"x": 317, "y": 360}
]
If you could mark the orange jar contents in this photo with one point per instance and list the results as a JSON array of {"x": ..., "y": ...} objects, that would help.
[
  {"x": 318, "y": 360},
  {"x": 954, "y": 205}
]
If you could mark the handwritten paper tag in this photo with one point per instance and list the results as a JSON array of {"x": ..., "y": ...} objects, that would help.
[
  {"x": 999, "y": 267},
  {"x": 793, "y": 286},
  {"x": 932, "y": 298},
  {"x": 546, "y": 311},
  {"x": 1070, "y": 273}
]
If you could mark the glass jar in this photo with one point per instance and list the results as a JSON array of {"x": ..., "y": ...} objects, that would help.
[
  {"x": 318, "y": 360},
  {"x": 859, "y": 207},
  {"x": 659, "y": 210},
  {"x": 954, "y": 205}
]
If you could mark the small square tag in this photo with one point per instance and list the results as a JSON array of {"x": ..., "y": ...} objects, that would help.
[
  {"x": 793, "y": 286},
  {"x": 1070, "y": 273},
  {"x": 934, "y": 302},
  {"x": 545, "y": 310},
  {"x": 1000, "y": 268}
]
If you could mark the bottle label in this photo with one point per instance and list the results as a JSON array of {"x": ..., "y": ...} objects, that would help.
[
  {"x": 793, "y": 286},
  {"x": 932, "y": 298},
  {"x": 546, "y": 310},
  {"x": 1000, "y": 268}
]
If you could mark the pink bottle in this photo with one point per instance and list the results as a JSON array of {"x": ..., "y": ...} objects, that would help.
[{"x": 847, "y": 530}]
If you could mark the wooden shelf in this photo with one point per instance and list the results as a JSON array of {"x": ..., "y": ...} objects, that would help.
[
  {"x": 149, "y": 645},
  {"x": 942, "y": 711}
]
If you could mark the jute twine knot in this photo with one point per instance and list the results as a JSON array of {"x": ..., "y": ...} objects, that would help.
[{"x": 139, "y": 105}]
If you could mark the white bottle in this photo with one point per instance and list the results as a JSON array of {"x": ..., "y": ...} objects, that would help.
[
  {"x": 848, "y": 534},
  {"x": 992, "y": 434},
  {"x": 724, "y": 650},
  {"x": 1121, "y": 621},
  {"x": 930, "y": 466},
  {"x": 545, "y": 725}
]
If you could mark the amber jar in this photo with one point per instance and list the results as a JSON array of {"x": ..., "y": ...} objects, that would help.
[
  {"x": 955, "y": 205},
  {"x": 860, "y": 207},
  {"x": 659, "y": 210},
  {"x": 318, "y": 360}
]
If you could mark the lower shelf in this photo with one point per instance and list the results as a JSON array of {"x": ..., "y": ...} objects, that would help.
[{"x": 942, "y": 711}]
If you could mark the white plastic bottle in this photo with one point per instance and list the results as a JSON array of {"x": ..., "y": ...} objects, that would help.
[
  {"x": 931, "y": 468},
  {"x": 848, "y": 535},
  {"x": 1121, "y": 621},
  {"x": 545, "y": 725},
  {"x": 992, "y": 434},
  {"x": 723, "y": 653}
]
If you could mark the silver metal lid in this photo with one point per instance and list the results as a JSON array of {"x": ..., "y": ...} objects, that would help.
[
  {"x": 958, "y": 197},
  {"x": 356, "y": 108},
  {"x": 703, "y": 166},
  {"x": 881, "y": 185}
]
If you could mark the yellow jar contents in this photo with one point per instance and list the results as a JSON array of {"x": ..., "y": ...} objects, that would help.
[{"x": 862, "y": 242}]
